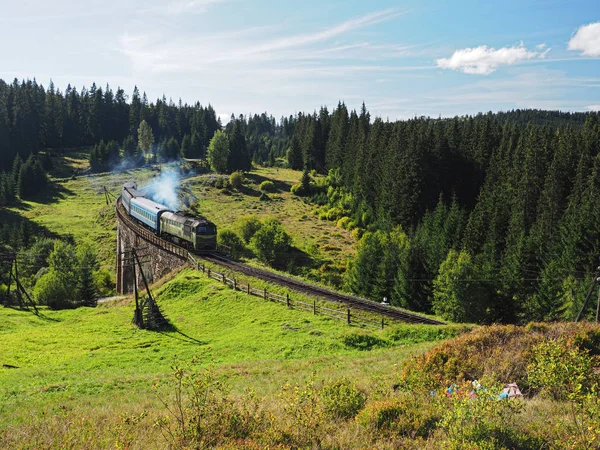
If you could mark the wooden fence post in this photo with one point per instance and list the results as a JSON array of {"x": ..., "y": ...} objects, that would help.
[
  {"x": 314, "y": 307},
  {"x": 208, "y": 272},
  {"x": 203, "y": 268},
  {"x": 382, "y": 322},
  {"x": 234, "y": 284},
  {"x": 248, "y": 288},
  {"x": 348, "y": 316},
  {"x": 287, "y": 300},
  {"x": 265, "y": 292},
  {"x": 223, "y": 277}
]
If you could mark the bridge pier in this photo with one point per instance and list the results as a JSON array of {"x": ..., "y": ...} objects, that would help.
[{"x": 155, "y": 260}]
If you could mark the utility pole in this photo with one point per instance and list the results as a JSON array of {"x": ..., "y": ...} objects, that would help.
[{"x": 154, "y": 318}]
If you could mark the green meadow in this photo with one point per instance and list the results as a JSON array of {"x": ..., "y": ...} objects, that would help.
[{"x": 94, "y": 361}]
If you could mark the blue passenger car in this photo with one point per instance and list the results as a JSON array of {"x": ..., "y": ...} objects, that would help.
[
  {"x": 129, "y": 192},
  {"x": 147, "y": 212}
]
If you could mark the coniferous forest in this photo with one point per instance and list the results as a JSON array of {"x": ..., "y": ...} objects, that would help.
[{"x": 486, "y": 218}]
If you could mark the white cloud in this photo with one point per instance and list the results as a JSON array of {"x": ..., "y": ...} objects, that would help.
[
  {"x": 244, "y": 49},
  {"x": 594, "y": 107},
  {"x": 587, "y": 39},
  {"x": 484, "y": 60},
  {"x": 283, "y": 43}
]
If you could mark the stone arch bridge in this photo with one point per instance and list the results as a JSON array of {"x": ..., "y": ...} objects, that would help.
[{"x": 156, "y": 255}]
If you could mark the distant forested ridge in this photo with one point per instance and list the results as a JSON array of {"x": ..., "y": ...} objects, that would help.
[
  {"x": 483, "y": 218},
  {"x": 33, "y": 118}
]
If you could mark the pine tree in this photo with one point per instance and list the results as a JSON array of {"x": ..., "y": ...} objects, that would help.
[
  {"x": 86, "y": 284},
  {"x": 294, "y": 155}
]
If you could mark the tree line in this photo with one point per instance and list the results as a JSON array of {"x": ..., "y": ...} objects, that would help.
[
  {"x": 33, "y": 118},
  {"x": 487, "y": 218}
]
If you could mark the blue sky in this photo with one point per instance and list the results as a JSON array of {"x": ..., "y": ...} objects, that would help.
[{"x": 402, "y": 58}]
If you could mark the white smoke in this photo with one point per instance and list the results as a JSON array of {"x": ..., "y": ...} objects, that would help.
[{"x": 163, "y": 189}]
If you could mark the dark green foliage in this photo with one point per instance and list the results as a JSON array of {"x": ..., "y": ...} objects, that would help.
[
  {"x": 7, "y": 190},
  {"x": 33, "y": 118},
  {"x": 186, "y": 147},
  {"x": 459, "y": 290},
  {"x": 70, "y": 279},
  {"x": 294, "y": 155},
  {"x": 238, "y": 158},
  {"x": 380, "y": 267},
  {"x": 169, "y": 150},
  {"x": 32, "y": 178},
  {"x": 218, "y": 152},
  {"x": 88, "y": 265},
  {"x": 233, "y": 244},
  {"x": 248, "y": 226},
  {"x": 105, "y": 156},
  {"x": 271, "y": 243}
]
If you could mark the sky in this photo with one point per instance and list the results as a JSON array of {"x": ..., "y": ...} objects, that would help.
[{"x": 401, "y": 58}]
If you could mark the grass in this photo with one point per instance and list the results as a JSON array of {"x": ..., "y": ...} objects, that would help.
[
  {"x": 87, "y": 378},
  {"x": 75, "y": 207},
  {"x": 312, "y": 236},
  {"x": 93, "y": 359}
]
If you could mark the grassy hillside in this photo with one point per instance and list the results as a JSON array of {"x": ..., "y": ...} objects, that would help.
[
  {"x": 255, "y": 374},
  {"x": 76, "y": 207},
  {"x": 93, "y": 361}
]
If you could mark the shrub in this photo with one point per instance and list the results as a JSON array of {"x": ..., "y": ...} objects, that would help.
[
  {"x": 342, "y": 399},
  {"x": 502, "y": 350},
  {"x": 267, "y": 186},
  {"x": 562, "y": 370},
  {"x": 236, "y": 179},
  {"x": 410, "y": 415},
  {"x": 247, "y": 226},
  {"x": 345, "y": 222},
  {"x": 357, "y": 233},
  {"x": 51, "y": 290},
  {"x": 232, "y": 242},
  {"x": 320, "y": 198},
  {"x": 271, "y": 242},
  {"x": 333, "y": 214},
  {"x": 380, "y": 416},
  {"x": 303, "y": 406},
  {"x": 200, "y": 412},
  {"x": 298, "y": 189},
  {"x": 104, "y": 282}
]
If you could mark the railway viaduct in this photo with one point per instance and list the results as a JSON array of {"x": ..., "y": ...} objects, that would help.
[{"x": 155, "y": 259}]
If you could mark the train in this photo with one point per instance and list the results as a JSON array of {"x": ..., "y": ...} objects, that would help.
[{"x": 195, "y": 233}]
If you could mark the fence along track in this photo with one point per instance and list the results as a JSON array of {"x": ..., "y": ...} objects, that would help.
[{"x": 306, "y": 288}]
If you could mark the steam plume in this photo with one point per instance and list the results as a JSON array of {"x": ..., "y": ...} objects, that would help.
[{"x": 163, "y": 189}]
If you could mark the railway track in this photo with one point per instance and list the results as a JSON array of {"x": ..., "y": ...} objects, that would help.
[
  {"x": 306, "y": 288},
  {"x": 310, "y": 289}
]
